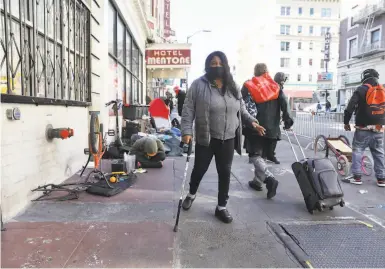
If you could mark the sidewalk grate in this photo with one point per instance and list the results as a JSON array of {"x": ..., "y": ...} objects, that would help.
[{"x": 334, "y": 245}]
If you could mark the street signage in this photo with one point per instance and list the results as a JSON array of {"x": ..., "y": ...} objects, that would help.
[
  {"x": 328, "y": 38},
  {"x": 168, "y": 57},
  {"x": 325, "y": 76},
  {"x": 166, "y": 23},
  {"x": 324, "y": 86}
]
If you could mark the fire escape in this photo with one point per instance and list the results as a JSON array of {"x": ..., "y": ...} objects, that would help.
[{"x": 369, "y": 46}]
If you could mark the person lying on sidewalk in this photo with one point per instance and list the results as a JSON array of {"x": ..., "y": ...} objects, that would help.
[
  {"x": 367, "y": 101},
  {"x": 149, "y": 152}
]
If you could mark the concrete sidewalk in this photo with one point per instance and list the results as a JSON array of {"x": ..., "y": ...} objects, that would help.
[{"x": 134, "y": 228}]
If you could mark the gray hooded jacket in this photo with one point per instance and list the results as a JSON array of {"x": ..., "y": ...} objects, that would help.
[{"x": 197, "y": 108}]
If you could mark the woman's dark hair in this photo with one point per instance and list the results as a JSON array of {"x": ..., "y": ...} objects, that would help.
[{"x": 228, "y": 81}]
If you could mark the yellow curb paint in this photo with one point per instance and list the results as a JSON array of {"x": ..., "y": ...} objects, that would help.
[
  {"x": 309, "y": 264},
  {"x": 365, "y": 223}
]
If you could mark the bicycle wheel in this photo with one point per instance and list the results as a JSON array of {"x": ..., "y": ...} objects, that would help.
[
  {"x": 344, "y": 139},
  {"x": 367, "y": 165},
  {"x": 343, "y": 165},
  {"x": 320, "y": 144},
  {"x": 94, "y": 135}
]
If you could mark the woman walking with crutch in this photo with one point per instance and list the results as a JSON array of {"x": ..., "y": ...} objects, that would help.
[{"x": 215, "y": 103}]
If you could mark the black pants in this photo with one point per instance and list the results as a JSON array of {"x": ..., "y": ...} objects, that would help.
[
  {"x": 269, "y": 147},
  {"x": 223, "y": 151},
  {"x": 151, "y": 162},
  {"x": 254, "y": 145}
]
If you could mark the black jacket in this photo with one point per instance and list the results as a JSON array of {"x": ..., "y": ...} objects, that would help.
[
  {"x": 169, "y": 103},
  {"x": 358, "y": 105},
  {"x": 269, "y": 115},
  {"x": 181, "y": 96}
]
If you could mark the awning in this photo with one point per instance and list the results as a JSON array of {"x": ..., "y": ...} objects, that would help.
[{"x": 298, "y": 94}]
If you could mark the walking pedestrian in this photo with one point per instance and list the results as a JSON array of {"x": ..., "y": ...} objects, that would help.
[
  {"x": 214, "y": 102},
  {"x": 368, "y": 104},
  {"x": 328, "y": 106},
  {"x": 181, "y": 96},
  {"x": 271, "y": 142},
  {"x": 269, "y": 99}
]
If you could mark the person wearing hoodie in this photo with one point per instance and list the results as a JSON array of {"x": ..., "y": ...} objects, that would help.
[
  {"x": 368, "y": 104},
  {"x": 149, "y": 152},
  {"x": 215, "y": 104},
  {"x": 268, "y": 98}
]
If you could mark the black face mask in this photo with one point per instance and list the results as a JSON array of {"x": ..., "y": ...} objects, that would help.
[{"x": 215, "y": 72}]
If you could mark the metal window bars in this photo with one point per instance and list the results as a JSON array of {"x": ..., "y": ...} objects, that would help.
[{"x": 45, "y": 49}]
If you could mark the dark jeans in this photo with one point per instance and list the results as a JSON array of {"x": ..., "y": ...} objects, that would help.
[
  {"x": 223, "y": 151},
  {"x": 151, "y": 162},
  {"x": 269, "y": 148}
]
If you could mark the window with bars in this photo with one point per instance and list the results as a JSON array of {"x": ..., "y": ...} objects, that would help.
[
  {"x": 126, "y": 60},
  {"x": 45, "y": 51}
]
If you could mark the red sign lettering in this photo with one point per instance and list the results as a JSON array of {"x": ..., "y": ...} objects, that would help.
[
  {"x": 170, "y": 57},
  {"x": 167, "y": 26}
]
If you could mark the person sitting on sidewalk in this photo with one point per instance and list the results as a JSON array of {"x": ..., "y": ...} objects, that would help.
[
  {"x": 149, "y": 152},
  {"x": 268, "y": 98},
  {"x": 368, "y": 102}
]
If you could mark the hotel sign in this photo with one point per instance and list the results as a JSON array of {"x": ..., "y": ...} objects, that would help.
[
  {"x": 177, "y": 58},
  {"x": 328, "y": 38}
]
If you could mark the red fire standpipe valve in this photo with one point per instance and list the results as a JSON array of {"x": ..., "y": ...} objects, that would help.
[{"x": 62, "y": 133}]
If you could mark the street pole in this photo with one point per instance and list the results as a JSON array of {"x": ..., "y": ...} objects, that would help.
[
  {"x": 187, "y": 69},
  {"x": 327, "y": 59},
  {"x": 326, "y": 93}
]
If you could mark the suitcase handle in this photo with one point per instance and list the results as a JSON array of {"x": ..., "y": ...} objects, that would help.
[{"x": 291, "y": 144}]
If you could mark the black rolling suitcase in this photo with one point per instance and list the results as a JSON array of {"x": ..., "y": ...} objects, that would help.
[{"x": 318, "y": 181}]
